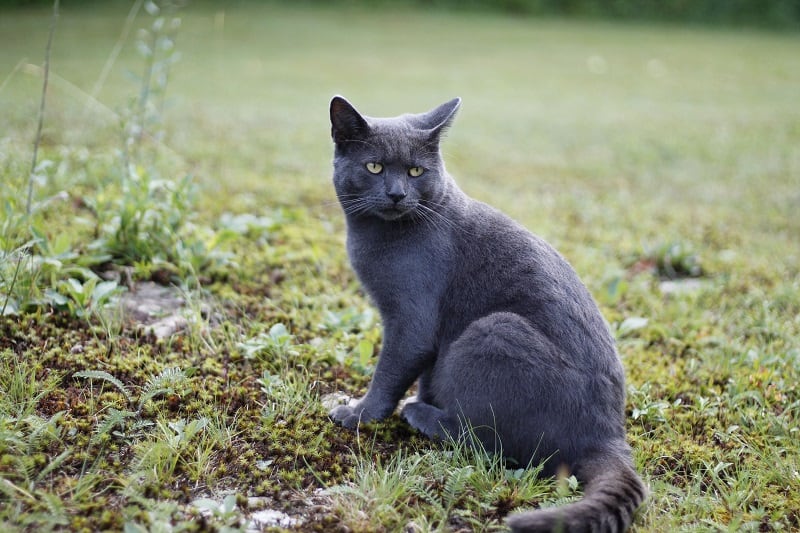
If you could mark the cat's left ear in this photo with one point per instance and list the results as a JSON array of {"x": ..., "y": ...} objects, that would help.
[
  {"x": 439, "y": 119},
  {"x": 347, "y": 124}
]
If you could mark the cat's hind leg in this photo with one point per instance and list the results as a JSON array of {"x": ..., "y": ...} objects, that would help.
[
  {"x": 506, "y": 380},
  {"x": 429, "y": 420}
]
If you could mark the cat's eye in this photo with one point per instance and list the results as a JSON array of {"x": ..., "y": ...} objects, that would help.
[
  {"x": 415, "y": 172},
  {"x": 374, "y": 168}
]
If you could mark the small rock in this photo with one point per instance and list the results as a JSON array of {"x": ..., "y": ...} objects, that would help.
[
  {"x": 270, "y": 518},
  {"x": 329, "y": 401},
  {"x": 412, "y": 527},
  {"x": 680, "y": 286},
  {"x": 153, "y": 307},
  {"x": 167, "y": 326}
]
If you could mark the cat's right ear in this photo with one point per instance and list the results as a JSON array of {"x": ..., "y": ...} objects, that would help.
[{"x": 347, "y": 124}]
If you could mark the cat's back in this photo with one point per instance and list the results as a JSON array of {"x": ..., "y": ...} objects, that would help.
[
  {"x": 498, "y": 250},
  {"x": 500, "y": 266}
]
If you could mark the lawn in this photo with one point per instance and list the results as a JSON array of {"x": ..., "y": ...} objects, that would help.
[{"x": 662, "y": 161}]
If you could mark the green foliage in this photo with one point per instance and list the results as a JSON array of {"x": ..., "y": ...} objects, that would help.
[
  {"x": 168, "y": 381},
  {"x": 31, "y": 445},
  {"x": 675, "y": 260},
  {"x": 274, "y": 345},
  {"x": 82, "y": 299},
  {"x": 225, "y": 513},
  {"x": 454, "y": 485},
  {"x": 104, "y": 376},
  {"x": 143, "y": 222},
  {"x": 141, "y": 219}
]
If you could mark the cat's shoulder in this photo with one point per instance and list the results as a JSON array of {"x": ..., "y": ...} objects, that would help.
[{"x": 488, "y": 220}]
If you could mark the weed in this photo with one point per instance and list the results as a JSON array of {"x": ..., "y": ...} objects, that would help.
[
  {"x": 274, "y": 345},
  {"x": 35, "y": 169},
  {"x": 675, "y": 260},
  {"x": 433, "y": 488},
  {"x": 84, "y": 299},
  {"x": 225, "y": 513}
]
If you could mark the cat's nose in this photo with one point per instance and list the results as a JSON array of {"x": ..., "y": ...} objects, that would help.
[
  {"x": 396, "y": 191},
  {"x": 396, "y": 196}
]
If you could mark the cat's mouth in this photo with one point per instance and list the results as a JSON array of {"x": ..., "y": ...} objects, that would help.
[{"x": 393, "y": 213}]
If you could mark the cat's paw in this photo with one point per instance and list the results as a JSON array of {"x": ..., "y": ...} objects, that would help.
[
  {"x": 428, "y": 419},
  {"x": 351, "y": 415},
  {"x": 414, "y": 412}
]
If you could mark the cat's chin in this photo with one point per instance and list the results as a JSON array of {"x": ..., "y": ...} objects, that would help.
[{"x": 392, "y": 214}]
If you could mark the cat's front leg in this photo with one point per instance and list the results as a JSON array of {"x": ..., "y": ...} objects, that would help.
[{"x": 398, "y": 367}]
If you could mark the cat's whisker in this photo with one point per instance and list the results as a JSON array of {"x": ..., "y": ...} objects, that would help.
[
  {"x": 355, "y": 206},
  {"x": 351, "y": 200},
  {"x": 356, "y": 212},
  {"x": 436, "y": 219},
  {"x": 426, "y": 204},
  {"x": 329, "y": 203},
  {"x": 346, "y": 199},
  {"x": 422, "y": 215}
]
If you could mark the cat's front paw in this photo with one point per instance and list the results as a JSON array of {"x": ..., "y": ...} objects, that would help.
[{"x": 351, "y": 415}]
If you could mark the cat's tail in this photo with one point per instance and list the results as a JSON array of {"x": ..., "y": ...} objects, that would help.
[{"x": 612, "y": 493}]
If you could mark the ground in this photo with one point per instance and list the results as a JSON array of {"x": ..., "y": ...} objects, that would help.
[{"x": 662, "y": 161}]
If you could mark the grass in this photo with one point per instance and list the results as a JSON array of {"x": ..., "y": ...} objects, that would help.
[{"x": 649, "y": 155}]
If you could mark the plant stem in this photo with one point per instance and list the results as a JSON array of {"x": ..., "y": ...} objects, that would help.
[
  {"x": 11, "y": 287},
  {"x": 41, "y": 106},
  {"x": 144, "y": 95}
]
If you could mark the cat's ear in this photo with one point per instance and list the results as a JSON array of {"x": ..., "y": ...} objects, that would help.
[
  {"x": 347, "y": 124},
  {"x": 439, "y": 119}
]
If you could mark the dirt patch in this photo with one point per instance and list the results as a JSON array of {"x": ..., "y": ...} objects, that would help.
[{"x": 158, "y": 309}]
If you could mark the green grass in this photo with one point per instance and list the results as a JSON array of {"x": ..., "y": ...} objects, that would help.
[{"x": 641, "y": 152}]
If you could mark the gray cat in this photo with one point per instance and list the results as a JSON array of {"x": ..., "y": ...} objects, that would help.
[{"x": 489, "y": 320}]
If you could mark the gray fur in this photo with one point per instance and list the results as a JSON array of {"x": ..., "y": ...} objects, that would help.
[{"x": 489, "y": 320}]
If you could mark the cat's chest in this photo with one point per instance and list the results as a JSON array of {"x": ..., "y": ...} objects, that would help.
[{"x": 397, "y": 270}]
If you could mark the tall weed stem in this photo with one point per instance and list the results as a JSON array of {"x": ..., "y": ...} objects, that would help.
[{"x": 38, "y": 138}]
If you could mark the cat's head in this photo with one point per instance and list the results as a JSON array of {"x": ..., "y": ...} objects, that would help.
[{"x": 389, "y": 168}]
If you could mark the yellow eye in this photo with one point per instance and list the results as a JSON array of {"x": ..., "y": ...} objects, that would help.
[
  {"x": 415, "y": 172},
  {"x": 374, "y": 168}
]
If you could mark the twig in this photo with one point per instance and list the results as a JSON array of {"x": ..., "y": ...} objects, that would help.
[{"x": 41, "y": 106}]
